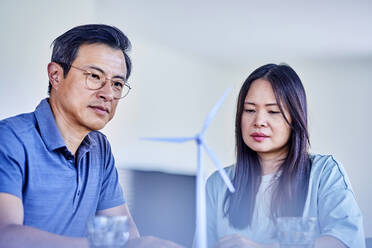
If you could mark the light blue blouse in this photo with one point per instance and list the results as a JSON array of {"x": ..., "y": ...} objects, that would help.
[{"x": 330, "y": 198}]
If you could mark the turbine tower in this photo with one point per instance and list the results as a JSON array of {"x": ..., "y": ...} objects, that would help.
[{"x": 201, "y": 223}]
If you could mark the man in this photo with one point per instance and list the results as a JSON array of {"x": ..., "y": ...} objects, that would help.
[{"x": 56, "y": 169}]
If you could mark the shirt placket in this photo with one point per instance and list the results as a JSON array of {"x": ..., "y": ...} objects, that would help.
[{"x": 79, "y": 162}]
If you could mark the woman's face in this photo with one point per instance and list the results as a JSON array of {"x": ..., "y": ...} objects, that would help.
[{"x": 263, "y": 126}]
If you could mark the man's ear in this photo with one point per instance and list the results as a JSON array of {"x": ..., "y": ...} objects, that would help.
[{"x": 55, "y": 74}]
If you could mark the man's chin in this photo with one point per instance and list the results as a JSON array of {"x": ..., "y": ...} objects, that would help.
[{"x": 97, "y": 126}]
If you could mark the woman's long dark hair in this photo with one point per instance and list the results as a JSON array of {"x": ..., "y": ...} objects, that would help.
[{"x": 289, "y": 196}]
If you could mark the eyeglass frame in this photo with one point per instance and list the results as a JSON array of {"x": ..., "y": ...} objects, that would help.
[{"x": 87, "y": 73}]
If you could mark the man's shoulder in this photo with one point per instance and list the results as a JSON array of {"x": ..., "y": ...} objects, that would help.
[
  {"x": 18, "y": 124},
  {"x": 14, "y": 131}
]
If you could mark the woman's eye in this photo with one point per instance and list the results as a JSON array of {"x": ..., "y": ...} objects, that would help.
[
  {"x": 249, "y": 110},
  {"x": 274, "y": 112}
]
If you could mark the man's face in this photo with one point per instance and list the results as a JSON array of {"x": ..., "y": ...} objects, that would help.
[{"x": 80, "y": 107}]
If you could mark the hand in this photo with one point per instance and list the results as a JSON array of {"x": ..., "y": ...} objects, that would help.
[
  {"x": 151, "y": 242},
  {"x": 236, "y": 240}
]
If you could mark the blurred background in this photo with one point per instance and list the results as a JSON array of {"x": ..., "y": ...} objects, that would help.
[{"x": 185, "y": 54}]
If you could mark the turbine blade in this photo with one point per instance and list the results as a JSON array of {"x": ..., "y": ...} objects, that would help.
[
  {"x": 169, "y": 139},
  {"x": 214, "y": 110},
  {"x": 221, "y": 170}
]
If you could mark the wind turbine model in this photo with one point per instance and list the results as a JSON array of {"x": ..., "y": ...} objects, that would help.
[{"x": 201, "y": 223}]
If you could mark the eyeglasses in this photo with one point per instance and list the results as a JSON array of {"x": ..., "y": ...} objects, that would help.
[{"x": 96, "y": 80}]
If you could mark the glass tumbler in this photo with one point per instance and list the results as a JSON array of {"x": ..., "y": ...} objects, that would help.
[
  {"x": 108, "y": 231},
  {"x": 297, "y": 232}
]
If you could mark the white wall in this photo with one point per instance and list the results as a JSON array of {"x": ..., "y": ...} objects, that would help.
[
  {"x": 27, "y": 30},
  {"x": 339, "y": 92},
  {"x": 174, "y": 90}
]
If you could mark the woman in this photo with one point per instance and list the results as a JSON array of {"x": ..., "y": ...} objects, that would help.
[{"x": 274, "y": 174}]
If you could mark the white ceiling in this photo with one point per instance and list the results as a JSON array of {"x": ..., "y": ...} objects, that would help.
[{"x": 235, "y": 31}]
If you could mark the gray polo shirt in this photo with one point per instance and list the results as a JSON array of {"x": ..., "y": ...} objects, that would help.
[{"x": 59, "y": 191}]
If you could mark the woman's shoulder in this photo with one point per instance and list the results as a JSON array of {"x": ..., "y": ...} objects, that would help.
[
  {"x": 326, "y": 167},
  {"x": 322, "y": 162},
  {"x": 215, "y": 178},
  {"x": 216, "y": 187}
]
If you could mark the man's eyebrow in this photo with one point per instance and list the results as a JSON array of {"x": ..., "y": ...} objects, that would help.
[
  {"x": 103, "y": 72},
  {"x": 267, "y": 105}
]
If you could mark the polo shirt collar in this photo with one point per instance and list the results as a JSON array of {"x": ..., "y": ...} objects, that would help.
[
  {"x": 48, "y": 127},
  {"x": 49, "y": 130},
  {"x": 89, "y": 141}
]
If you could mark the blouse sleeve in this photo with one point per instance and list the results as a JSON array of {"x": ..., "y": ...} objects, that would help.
[{"x": 339, "y": 214}]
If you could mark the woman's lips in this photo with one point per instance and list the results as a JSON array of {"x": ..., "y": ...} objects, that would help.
[{"x": 259, "y": 136}]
